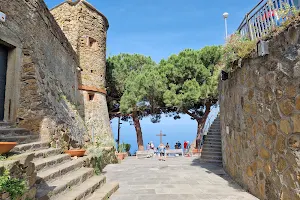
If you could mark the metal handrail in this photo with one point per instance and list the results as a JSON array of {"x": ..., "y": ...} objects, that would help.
[{"x": 263, "y": 17}]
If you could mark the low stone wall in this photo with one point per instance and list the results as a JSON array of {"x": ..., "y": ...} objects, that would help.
[
  {"x": 107, "y": 156},
  {"x": 260, "y": 120},
  {"x": 20, "y": 167}
]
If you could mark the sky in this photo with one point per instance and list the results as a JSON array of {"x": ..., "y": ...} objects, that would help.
[{"x": 160, "y": 28}]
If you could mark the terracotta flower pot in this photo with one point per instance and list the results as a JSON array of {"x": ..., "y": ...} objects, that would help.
[
  {"x": 76, "y": 152},
  {"x": 197, "y": 151},
  {"x": 5, "y": 147},
  {"x": 120, "y": 156}
]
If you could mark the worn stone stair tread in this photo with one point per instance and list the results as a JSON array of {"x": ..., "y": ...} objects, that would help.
[
  {"x": 19, "y": 139},
  {"x": 61, "y": 169},
  {"x": 213, "y": 140},
  {"x": 52, "y": 188},
  {"x": 83, "y": 190},
  {"x": 42, "y": 152},
  {"x": 213, "y": 145},
  {"x": 210, "y": 160},
  {"x": 50, "y": 161},
  {"x": 14, "y": 131},
  {"x": 105, "y": 191},
  {"x": 30, "y": 146},
  {"x": 211, "y": 153},
  {"x": 212, "y": 149},
  {"x": 211, "y": 157},
  {"x": 2, "y": 123}
]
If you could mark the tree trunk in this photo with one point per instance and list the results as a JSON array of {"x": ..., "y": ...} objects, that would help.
[
  {"x": 199, "y": 127},
  {"x": 138, "y": 129},
  {"x": 202, "y": 120}
]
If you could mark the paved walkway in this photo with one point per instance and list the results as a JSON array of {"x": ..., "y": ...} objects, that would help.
[{"x": 174, "y": 179}]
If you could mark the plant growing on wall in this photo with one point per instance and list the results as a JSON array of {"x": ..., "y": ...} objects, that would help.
[
  {"x": 236, "y": 47},
  {"x": 15, "y": 187}
]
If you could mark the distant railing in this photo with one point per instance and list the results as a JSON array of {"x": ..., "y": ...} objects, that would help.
[{"x": 263, "y": 17}]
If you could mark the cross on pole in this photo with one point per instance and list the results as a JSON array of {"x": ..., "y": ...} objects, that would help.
[{"x": 161, "y": 135}]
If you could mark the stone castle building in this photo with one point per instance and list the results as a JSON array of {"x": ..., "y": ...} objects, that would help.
[{"x": 52, "y": 69}]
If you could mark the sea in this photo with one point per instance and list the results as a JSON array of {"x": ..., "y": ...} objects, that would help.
[{"x": 183, "y": 129}]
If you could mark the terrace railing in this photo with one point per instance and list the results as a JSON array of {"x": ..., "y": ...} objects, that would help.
[{"x": 263, "y": 17}]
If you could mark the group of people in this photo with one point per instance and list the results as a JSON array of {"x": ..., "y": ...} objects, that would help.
[{"x": 161, "y": 148}]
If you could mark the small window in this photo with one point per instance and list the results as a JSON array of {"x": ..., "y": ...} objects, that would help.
[
  {"x": 91, "y": 96},
  {"x": 92, "y": 43},
  {"x": 92, "y": 71}
]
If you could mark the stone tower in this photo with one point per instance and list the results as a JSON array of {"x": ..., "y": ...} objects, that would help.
[{"x": 86, "y": 28}]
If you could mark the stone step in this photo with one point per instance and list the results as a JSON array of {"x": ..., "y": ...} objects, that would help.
[
  {"x": 213, "y": 157},
  {"x": 84, "y": 190},
  {"x": 219, "y": 147},
  {"x": 60, "y": 170},
  {"x": 5, "y": 124},
  {"x": 212, "y": 142},
  {"x": 51, "y": 161},
  {"x": 43, "y": 153},
  {"x": 30, "y": 147},
  {"x": 210, "y": 160},
  {"x": 215, "y": 126},
  {"x": 105, "y": 192},
  {"x": 210, "y": 149},
  {"x": 50, "y": 189},
  {"x": 213, "y": 137},
  {"x": 20, "y": 139},
  {"x": 214, "y": 130},
  {"x": 209, "y": 153},
  {"x": 14, "y": 131}
]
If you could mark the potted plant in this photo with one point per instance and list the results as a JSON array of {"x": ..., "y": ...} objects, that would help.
[
  {"x": 127, "y": 149},
  {"x": 74, "y": 152},
  {"x": 121, "y": 151},
  {"x": 5, "y": 147}
]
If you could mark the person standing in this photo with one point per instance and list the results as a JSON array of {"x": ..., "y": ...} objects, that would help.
[
  {"x": 152, "y": 145},
  {"x": 185, "y": 147},
  {"x": 167, "y": 146}
]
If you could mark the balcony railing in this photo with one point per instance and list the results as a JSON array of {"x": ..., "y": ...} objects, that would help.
[{"x": 263, "y": 17}]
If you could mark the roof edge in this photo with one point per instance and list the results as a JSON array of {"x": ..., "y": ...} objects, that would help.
[{"x": 74, "y": 3}]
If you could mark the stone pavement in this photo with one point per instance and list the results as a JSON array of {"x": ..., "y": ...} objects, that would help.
[{"x": 174, "y": 179}]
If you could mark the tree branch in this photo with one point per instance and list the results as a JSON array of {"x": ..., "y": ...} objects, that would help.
[{"x": 191, "y": 114}]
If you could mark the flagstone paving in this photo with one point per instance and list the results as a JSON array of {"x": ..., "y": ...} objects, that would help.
[{"x": 174, "y": 179}]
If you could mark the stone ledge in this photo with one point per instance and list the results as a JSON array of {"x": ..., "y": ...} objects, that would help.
[{"x": 92, "y": 88}]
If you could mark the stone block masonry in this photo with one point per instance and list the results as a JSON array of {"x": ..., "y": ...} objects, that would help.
[
  {"x": 260, "y": 120},
  {"x": 86, "y": 28},
  {"x": 44, "y": 89}
]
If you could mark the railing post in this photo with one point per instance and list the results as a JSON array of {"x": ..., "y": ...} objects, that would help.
[{"x": 249, "y": 27}]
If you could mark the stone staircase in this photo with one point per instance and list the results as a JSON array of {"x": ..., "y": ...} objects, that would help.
[
  {"x": 212, "y": 148},
  {"x": 58, "y": 175}
]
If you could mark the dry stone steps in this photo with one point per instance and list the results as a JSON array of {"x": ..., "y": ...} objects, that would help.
[
  {"x": 105, "y": 192},
  {"x": 59, "y": 177},
  {"x": 85, "y": 189},
  {"x": 212, "y": 147}
]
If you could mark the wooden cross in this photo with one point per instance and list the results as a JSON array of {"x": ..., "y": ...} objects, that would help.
[{"x": 161, "y": 135}]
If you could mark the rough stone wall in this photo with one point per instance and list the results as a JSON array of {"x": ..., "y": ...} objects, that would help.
[
  {"x": 49, "y": 86},
  {"x": 260, "y": 120},
  {"x": 22, "y": 168},
  {"x": 86, "y": 29}
]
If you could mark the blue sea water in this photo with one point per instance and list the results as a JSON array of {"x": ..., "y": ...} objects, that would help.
[{"x": 175, "y": 130}]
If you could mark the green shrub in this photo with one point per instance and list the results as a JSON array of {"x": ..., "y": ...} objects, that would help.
[
  {"x": 237, "y": 47},
  {"x": 15, "y": 187}
]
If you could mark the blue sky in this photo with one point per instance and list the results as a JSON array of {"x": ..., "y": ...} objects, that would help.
[{"x": 159, "y": 28}]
